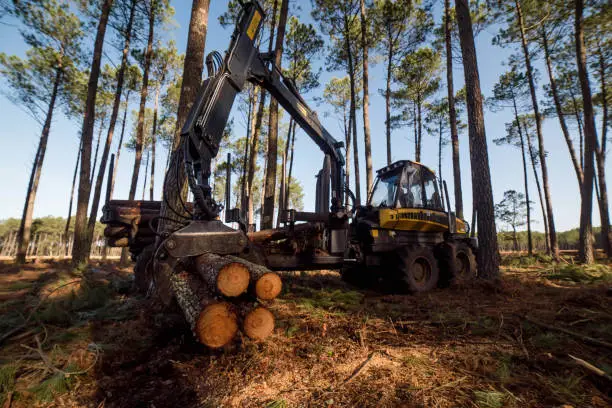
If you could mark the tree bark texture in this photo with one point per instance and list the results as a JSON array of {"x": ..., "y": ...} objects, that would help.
[
  {"x": 585, "y": 250},
  {"x": 600, "y": 156},
  {"x": 144, "y": 92},
  {"x": 214, "y": 323},
  {"x": 111, "y": 125},
  {"x": 25, "y": 226},
  {"x": 452, "y": 112},
  {"x": 154, "y": 144},
  {"x": 366, "y": 99},
  {"x": 532, "y": 156},
  {"x": 554, "y": 247},
  {"x": 559, "y": 110},
  {"x": 80, "y": 249},
  {"x": 74, "y": 178},
  {"x": 488, "y": 255},
  {"x": 267, "y": 220},
  {"x": 172, "y": 209}
]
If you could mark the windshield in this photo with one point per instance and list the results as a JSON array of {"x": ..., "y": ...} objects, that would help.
[
  {"x": 383, "y": 194},
  {"x": 420, "y": 190}
]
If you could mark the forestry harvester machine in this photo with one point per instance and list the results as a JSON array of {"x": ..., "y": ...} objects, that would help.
[{"x": 404, "y": 235}]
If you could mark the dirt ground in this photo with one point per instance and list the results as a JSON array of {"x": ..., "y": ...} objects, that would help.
[{"x": 84, "y": 339}]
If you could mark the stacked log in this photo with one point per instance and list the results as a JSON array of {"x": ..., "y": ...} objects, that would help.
[{"x": 223, "y": 295}]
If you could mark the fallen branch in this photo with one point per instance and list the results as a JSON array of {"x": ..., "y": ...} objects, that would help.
[
  {"x": 38, "y": 350},
  {"x": 359, "y": 368},
  {"x": 586, "y": 339},
  {"x": 591, "y": 367}
]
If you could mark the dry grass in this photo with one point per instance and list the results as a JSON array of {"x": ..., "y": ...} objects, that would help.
[{"x": 334, "y": 346}]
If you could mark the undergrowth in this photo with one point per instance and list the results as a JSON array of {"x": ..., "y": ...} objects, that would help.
[{"x": 580, "y": 273}]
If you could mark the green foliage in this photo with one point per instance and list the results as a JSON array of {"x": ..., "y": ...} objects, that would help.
[
  {"x": 54, "y": 34},
  {"x": 581, "y": 273},
  {"x": 277, "y": 404},
  {"x": 8, "y": 373},
  {"x": 53, "y": 386},
  {"x": 489, "y": 399},
  {"x": 512, "y": 210},
  {"x": 303, "y": 45}
]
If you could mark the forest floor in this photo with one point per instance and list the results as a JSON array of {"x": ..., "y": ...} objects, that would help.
[{"x": 85, "y": 339}]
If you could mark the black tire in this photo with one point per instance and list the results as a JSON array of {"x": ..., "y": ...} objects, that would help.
[
  {"x": 142, "y": 269},
  {"x": 465, "y": 263},
  {"x": 418, "y": 269},
  {"x": 445, "y": 254}
]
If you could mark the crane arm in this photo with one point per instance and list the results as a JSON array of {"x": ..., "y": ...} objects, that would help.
[{"x": 203, "y": 129}]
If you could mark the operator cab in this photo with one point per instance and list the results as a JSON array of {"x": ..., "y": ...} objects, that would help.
[{"x": 406, "y": 184}]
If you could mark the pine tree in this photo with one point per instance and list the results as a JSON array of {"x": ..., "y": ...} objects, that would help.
[
  {"x": 267, "y": 218},
  {"x": 488, "y": 255},
  {"x": 511, "y": 90},
  {"x": 39, "y": 82},
  {"x": 80, "y": 250}
]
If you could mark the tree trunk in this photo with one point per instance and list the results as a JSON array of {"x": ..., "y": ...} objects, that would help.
[
  {"x": 348, "y": 135},
  {"x": 600, "y": 155},
  {"x": 120, "y": 145},
  {"x": 440, "y": 152},
  {"x": 537, "y": 180},
  {"x": 249, "y": 138},
  {"x": 351, "y": 72},
  {"x": 288, "y": 189},
  {"x": 488, "y": 255},
  {"x": 415, "y": 128},
  {"x": 95, "y": 156},
  {"x": 74, "y": 177},
  {"x": 590, "y": 140},
  {"x": 525, "y": 178},
  {"x": 580, "y": 128},
  {"x": 420, "y": 129},
  {"x": 267, "y": 219},
  {"x": 366, "y": 101},
  {"x": 175, "y": 177},
  {"x": 257, "y": 128},
  {"x": 80, "y": 249},
  {"x": 282, "y": 194},
  {"x": 153, "y": 144},
  {"x": 25, "y": 226},
  {"x": 146, "y": 173},
  {"x": 534, "y": 100},
  {"x": 452, "y": 112},
  {"x": 111, "y": 126},
  {"x": 388, "y": 97},
  {"x": 144, "y": 91},
  {"x": 559, "y": 109}
]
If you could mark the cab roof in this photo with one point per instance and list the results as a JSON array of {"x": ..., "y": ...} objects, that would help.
[{"x": 402, "y": 163}]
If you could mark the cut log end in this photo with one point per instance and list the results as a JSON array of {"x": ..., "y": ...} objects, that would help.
[
  {"x": 268, "y": 286},
  {"x": 233, "y": 279},
  {"x": 217, "y": 325},
  {"x": 259, "y": 323}
]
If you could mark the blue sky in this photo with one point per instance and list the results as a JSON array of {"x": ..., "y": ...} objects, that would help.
[{"x": 19, "y": 136}]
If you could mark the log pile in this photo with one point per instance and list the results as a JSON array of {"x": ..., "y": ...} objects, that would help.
[{"x": 222, "y": 295}]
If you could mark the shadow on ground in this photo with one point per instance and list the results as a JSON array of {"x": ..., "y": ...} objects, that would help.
[{"x": 334, "y": 345}]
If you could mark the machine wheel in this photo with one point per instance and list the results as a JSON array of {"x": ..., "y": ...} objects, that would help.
[
  {"x": 465, "y": 263},
  {"x": 418, "y": 269},
  {"x": 142, "y": 275}
]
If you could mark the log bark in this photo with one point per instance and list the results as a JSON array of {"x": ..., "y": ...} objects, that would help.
[
  {"x": 229, "y": 277},
  {"x": 213, "y": 323}
]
